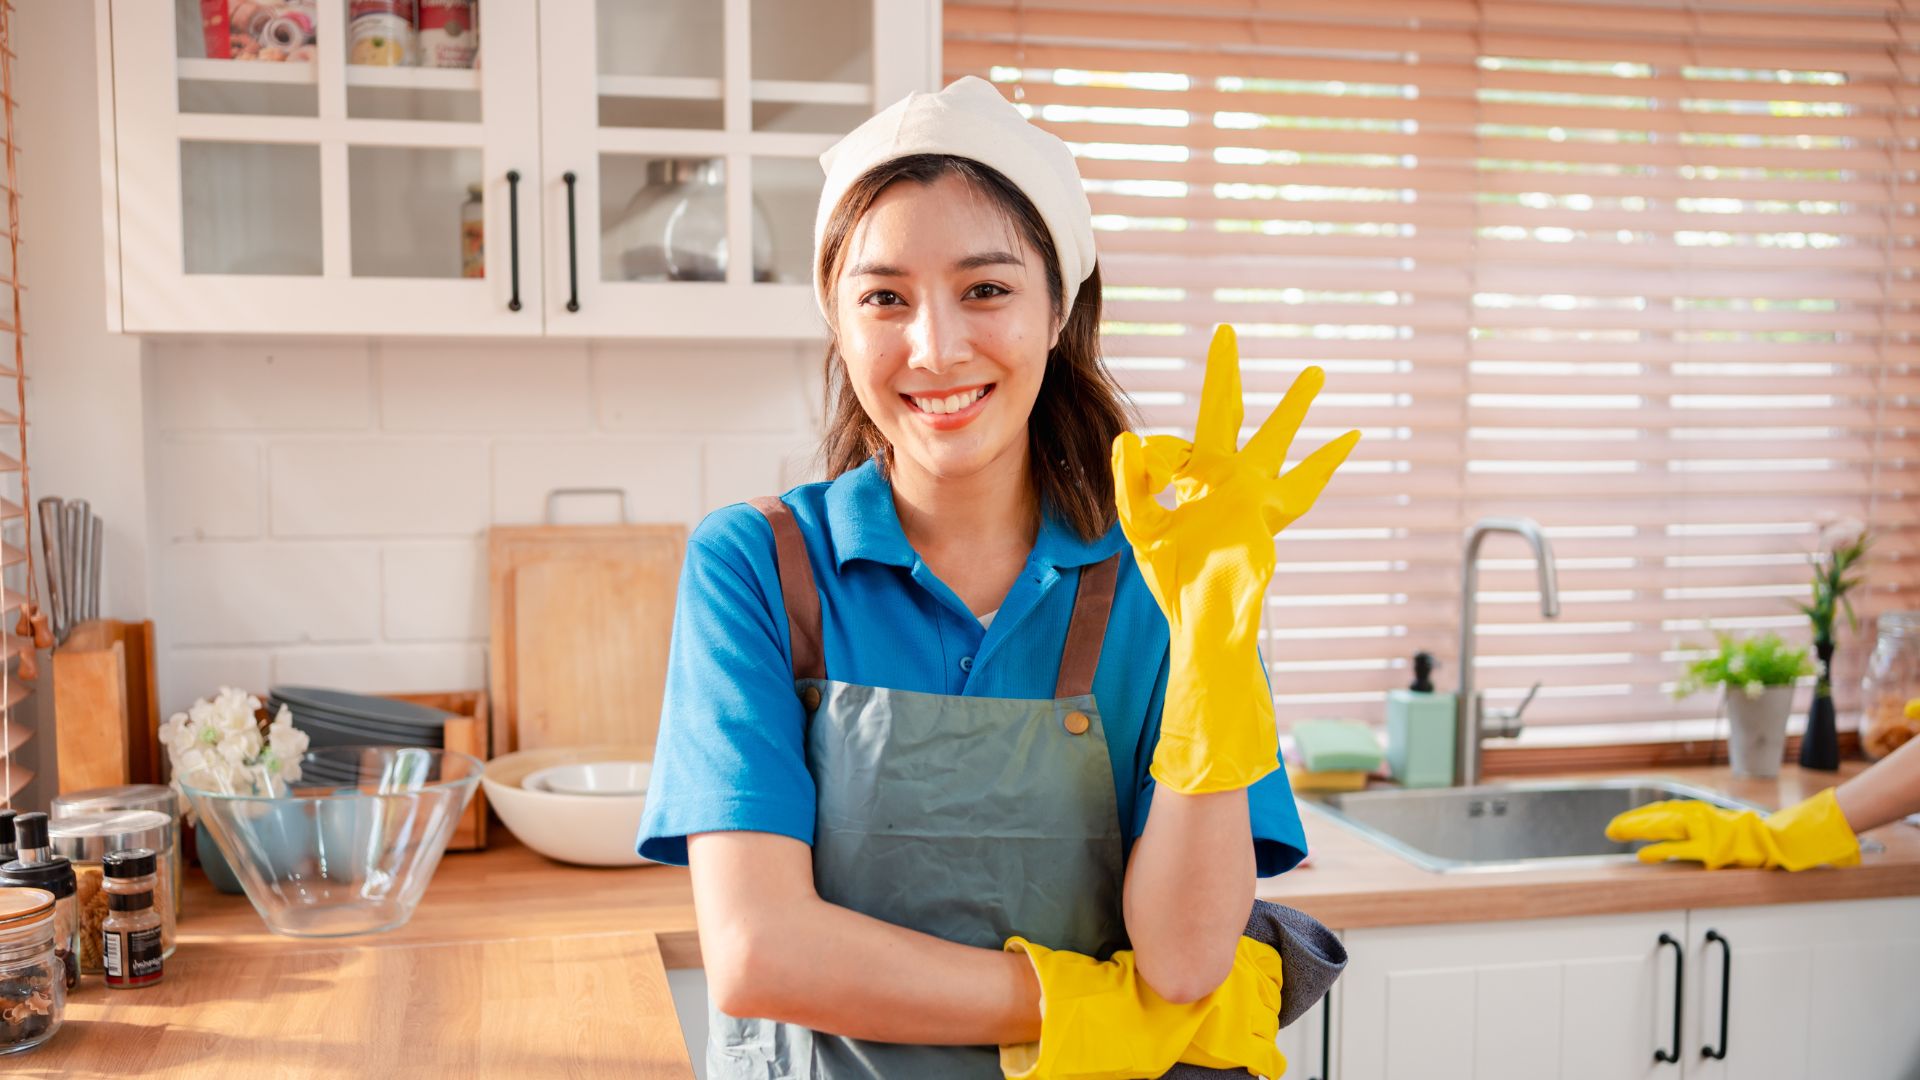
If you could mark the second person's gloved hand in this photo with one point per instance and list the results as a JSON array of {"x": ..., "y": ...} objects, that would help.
[
  {"x": 1208, "y": 562},
  {"x": 1810, "y": 833},
  {"x": 1100, "y": 1021}
]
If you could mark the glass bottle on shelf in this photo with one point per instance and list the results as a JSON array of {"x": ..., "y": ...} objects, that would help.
[
  {"x": 473, "y": 255},
  {"x": 675, "y": 227}
]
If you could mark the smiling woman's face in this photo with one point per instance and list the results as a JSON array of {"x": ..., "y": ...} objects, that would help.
[{"x": 944, "y": 323}]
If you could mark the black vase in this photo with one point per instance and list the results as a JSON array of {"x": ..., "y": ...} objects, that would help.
[{"x": 1820, "y": 746}]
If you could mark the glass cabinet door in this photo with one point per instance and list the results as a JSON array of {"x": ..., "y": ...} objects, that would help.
[
  {"x": 326, "y": 166},
  {"x": 681, "y": 141}
]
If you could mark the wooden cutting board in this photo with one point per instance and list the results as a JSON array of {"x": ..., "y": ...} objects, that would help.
[{"x": 581, "y": 619}]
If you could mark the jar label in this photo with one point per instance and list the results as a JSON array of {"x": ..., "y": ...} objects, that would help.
[{"x": 132, "y": 957}]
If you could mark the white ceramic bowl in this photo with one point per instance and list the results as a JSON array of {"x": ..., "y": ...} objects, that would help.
[
  {"x": 592, "y": 778},
  {"x": 589, "y": 830}
]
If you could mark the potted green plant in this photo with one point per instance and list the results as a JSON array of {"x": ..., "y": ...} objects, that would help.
[
  {"x": 1843, "y": 547},
  {"x": 1758, "y": 676}
]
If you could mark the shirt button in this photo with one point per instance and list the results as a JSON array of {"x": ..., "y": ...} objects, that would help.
[
  {"x": 1077, "y": 723},
  {"x": 810, "y": 697},
  {"x": 966, "y": 663}
]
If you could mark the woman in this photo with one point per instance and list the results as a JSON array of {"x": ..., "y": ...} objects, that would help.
[{"x": 936, "y": 747}]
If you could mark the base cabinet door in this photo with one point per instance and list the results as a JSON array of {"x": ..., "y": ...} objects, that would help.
[
  {"x": 1572, "y": 999},
  {"x": 1805, "y": 991}
]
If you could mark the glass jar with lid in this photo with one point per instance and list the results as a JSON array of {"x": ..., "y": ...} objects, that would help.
[
  {"x": 33, "y": 986},
  {"x": 156, "y": 797},
  {"x": 37, "y": 867},
  {"x": 1891, "y": 682},
  {"x": 86, "y": 839}
]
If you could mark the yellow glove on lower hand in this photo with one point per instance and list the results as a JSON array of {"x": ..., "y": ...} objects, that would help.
[
  {"x": 1099, "y": 1021},
  {"x": 1208, "y": 562},
  {"x": 1810, "y": 833}
]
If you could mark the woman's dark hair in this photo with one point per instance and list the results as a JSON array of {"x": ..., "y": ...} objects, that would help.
[{"x": 1080, "y": 409}]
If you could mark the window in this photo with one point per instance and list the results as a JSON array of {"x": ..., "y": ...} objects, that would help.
[{"x": 1642, "y": 272}]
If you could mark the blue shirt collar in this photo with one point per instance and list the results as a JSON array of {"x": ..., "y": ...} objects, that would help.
[{"x": 863, "y": 524}]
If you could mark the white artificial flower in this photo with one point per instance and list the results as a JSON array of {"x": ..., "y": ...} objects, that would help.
[
  {"x": 242, "y": 747},
  {"x": 177, "y": 732},
  {"x": 1755, "y": 688},
  {"x": 286, "y": 741},
  {"x": 1841, "y": 533}
]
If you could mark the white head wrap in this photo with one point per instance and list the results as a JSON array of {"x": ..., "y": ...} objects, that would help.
[{"x": 970, "y": 119}]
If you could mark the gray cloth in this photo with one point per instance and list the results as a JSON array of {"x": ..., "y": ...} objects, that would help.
[{"x": 1311, "y": 958}]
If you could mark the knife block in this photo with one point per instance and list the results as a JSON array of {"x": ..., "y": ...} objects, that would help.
[{"x": 106, "y": 707}]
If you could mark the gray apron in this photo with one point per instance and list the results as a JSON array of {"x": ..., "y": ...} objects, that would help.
[{"x": 971, "y": 819}]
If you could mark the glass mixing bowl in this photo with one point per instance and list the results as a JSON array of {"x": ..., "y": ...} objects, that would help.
[{"x": 348, "y": 848}]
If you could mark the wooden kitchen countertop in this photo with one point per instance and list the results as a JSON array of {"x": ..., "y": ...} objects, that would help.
[{"x": 517, "y": 966}]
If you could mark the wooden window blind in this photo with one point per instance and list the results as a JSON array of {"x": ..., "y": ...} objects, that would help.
[
  {"x": 1641, "y": 271},
  {"x": 18, "y": 626}
]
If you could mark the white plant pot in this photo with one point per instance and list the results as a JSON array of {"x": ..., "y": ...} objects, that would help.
[{"x": 1757, "y": 735}]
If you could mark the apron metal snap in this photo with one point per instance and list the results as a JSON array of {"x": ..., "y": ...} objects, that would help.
[
  {"x": 1077, "y": 723},
  {"x": 810, "y": 697}
]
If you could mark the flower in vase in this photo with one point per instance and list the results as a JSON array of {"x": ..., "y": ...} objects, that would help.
[{"x": 222, "y": 745}]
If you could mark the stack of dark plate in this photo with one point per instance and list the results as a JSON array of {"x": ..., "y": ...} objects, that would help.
[{"x": 335, "y": 718}]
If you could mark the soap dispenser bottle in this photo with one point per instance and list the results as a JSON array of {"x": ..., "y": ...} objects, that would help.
[{"x": 1420, "y": 730}]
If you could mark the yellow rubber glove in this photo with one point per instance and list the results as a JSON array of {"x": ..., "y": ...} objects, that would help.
[
  {"x": 1099, "y": 1021},
  {"x": 1208, "y": 562},
  {"x": 1810, "y": 833}
]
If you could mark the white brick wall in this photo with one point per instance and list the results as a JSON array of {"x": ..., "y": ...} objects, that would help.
[{"x": 320, "y": 508}]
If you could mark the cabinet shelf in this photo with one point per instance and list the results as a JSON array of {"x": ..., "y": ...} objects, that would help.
[
  {"x": 672, "y": 88},
  {"x": 298, "y": 72}
]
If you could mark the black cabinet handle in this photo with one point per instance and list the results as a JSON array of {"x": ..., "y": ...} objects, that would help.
[
  {"x": 1326, "y": 1037},
  {"x": 1666, "y": 1057},
  {"x": 573, "y": 261},
  {"x": 1726, "y": 999},
  {"x": 513, "y": 235}
]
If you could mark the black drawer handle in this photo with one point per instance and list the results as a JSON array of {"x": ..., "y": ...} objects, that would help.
[
  {"x": 1326, "y": 1037},
  {"x": 1726, "y": 1000},
  {"x": 513, "y": 235},
  {"x": 1667, "y": 1057},
  {"x": 573, "y": 261}
]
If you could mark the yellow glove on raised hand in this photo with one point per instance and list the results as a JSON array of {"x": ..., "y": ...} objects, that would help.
[
  {"x": 1208, "y": 562},
  {"x": 1099, "y": 1021},
  {"x": 1810, "y": 833}
]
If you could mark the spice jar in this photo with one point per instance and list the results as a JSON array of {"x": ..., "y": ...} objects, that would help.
[
  {"x": 85, "y": 840},
  {"x": 156, "y": 797},
  {"x": 39, "y": 868},
  {"x": 33, "y": 987},
  {"x": 130, "y": 937},
  {"x": 1892, "y": 680}
]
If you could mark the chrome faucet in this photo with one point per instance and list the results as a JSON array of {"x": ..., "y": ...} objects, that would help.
[{"x": 1472, "y": 721}]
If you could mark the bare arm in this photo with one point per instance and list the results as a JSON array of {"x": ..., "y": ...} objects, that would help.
[
  {"x": 1189, "y": 888},
  {"x": 774, "y": 949},
  {"x": 1888, "y": 791}
]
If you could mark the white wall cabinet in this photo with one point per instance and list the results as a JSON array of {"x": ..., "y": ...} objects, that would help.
[{"x": 646, "y": 168}]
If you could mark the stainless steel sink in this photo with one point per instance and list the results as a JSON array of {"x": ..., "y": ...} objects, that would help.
[{"x": 1494, "y": 827}]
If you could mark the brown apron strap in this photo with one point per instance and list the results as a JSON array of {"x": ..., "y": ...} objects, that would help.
[
  {"x": 1091, "y": 605},
  {"x": 796, "y": 584}
]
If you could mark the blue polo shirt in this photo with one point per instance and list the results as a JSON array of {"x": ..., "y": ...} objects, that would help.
[{"x": 732, "y": 748}]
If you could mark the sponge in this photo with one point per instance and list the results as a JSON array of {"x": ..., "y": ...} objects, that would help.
[
  {"x": 1302, "y": 781},
  {"x": 1336, "y": 746}
]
